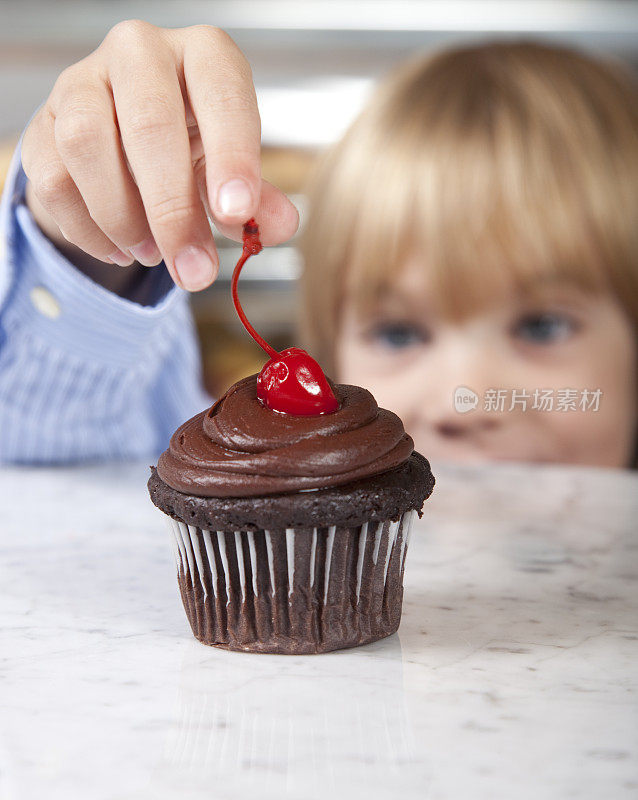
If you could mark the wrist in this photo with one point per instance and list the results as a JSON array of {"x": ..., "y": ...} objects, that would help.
[{"x": 122, "y": 281}]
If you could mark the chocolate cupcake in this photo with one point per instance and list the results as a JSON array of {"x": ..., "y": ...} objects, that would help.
[{"x": 291, "y": 531}]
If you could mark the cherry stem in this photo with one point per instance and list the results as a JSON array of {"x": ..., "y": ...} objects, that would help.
[{"x": 252, "y": 246}]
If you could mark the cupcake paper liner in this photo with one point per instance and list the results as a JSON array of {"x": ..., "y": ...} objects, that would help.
[{"x": 292, "y": 590}]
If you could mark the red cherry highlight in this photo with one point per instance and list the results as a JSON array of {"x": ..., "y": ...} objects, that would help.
[
  {"x": 294, "y": 383},
  {"x": 291, "y": 382}
]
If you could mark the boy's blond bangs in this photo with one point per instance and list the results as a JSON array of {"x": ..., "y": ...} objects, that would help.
[{"x": 497, "y": 167}]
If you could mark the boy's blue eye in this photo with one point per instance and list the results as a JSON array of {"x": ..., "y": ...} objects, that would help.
[
  {"x": 544, "y": 328},
  {"x": 397, "y": 335}
]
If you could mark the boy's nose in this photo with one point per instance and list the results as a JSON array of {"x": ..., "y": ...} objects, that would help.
[{"x": 454, "y": 405}]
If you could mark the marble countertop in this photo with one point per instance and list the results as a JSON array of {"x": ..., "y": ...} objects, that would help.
[{"x": 513, "y": 675}]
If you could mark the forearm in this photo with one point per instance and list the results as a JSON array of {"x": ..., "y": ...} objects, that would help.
[{"x": 85, "y": 373}]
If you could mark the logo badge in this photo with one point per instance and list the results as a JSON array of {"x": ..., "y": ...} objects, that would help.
[{"x": 465, "y": 399}]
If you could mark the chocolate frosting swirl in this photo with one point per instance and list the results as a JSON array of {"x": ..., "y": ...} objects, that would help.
[{"x": 238, "y": 448}]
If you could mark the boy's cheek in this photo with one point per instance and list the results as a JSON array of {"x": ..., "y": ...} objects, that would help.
[
  {"x": 604, "y": 434},
  {"x": 601, "y": 434},
  {"x": 588, "y": 438},
  {"x": 398, "y": 390}
]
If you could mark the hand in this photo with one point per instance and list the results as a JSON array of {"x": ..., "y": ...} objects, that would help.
[{"x": 141, "y": 139}]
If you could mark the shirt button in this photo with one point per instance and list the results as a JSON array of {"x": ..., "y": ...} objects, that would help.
[{"x": 45, "y": 302}]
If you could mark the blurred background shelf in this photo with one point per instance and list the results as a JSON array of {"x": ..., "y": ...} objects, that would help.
[{"x": 314, "y": 63}]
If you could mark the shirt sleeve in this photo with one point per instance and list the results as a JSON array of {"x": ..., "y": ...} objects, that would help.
[{"x": 86, "y": 374}]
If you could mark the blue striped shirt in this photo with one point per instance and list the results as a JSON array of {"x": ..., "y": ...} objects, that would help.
[{"x": 85, "y": 374}]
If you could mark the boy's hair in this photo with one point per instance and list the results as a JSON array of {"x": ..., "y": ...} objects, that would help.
[{"x": 492, "y": 162}]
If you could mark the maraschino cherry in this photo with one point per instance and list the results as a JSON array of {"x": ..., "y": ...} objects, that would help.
[{"x": 291, "y": 381}]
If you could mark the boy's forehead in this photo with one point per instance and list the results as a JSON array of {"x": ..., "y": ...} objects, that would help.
[
  {"x": 415, "y": 282},
  {"x": 414, "y": 286}
]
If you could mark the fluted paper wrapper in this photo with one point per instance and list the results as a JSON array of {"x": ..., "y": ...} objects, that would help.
[{"x": 292, "y": 590}]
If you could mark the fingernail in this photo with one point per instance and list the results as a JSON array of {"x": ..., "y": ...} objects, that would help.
[
  {"x": 121, "y": 259},
  {"x": 195, "y": 268},
  {"x": 146, "y": 252},
  {"x": 234, "y": 198}
]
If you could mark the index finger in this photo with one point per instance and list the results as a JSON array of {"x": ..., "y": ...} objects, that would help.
[
  {"x": 222, "y": 97},
  {"x": 151, "y": 116}
]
